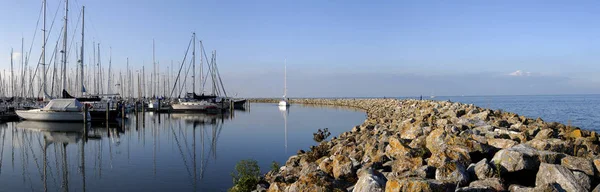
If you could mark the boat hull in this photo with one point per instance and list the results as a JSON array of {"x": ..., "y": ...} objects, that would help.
[{"x": 41, "y": 115}]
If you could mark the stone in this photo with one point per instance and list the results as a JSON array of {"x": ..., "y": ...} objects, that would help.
[
  {"x": 548, "y": 187},
  {"x": 575, "y": 134},
  {"x": 596, "y": 189},
  {"x": 325, "y": 166},
  {"x": 544, "y": 134},
  {"x": 484, "y": 170},
  {"x": 435, "y": 141},
  {"x": 578, "y": 164},
  {"x": 501, "y": 143},
  {"x": 493, "y": 183},
  {"x": 555, "y": 145},
  {"x": 370, "y": 181},
  {"x": 516, "y": 158},
  {"x": 519, "y": 188},
  {"x": 426, "y": 171},
  {"x": 341, "y": 167},
  {"x": 406, "y": 164},
  {"x": 396, "y": 148},
  {"x": 418, "y": 184},
  {"x": 453, "y": 172},
  {"x": 411, "y": 132},
  {"x": 597, "y": 163},
  {"x": 475, "y": 189},
  {"x": 550, "y": 173},
  {"x": 261, "y": 187},
  {"x": 584, "y": 180}
]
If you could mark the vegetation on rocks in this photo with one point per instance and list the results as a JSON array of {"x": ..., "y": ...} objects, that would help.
[
  {"x": 412, "y": 145},
  {"x": 246, "y": 177}
]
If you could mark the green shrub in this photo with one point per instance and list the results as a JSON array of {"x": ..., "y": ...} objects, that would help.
[
  {"x": 275, "y": 166},
  {"x": 246, "y": 176}
]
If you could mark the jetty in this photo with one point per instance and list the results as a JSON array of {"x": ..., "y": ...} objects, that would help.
[{"x": 424, "y": 145}]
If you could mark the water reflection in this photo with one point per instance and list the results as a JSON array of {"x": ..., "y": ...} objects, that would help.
[
  {"x": 153, "y": 151},
  {"x": 60, "y": 135}
]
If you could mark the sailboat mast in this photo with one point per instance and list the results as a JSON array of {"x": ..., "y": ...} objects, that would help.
[
  {"x": 82, "y": 46},
  {"x": 108, "y": 86},
  {"x": 153, "y": 76},
  {"x": 201, "y": 67},
  {"x": 44, "y": 53},
  {"x": 284, "y": 78},
  {"x": 194, "y": 63},
  {"x": 64, "y": 56},
  {"x": 12, "y": 75}
]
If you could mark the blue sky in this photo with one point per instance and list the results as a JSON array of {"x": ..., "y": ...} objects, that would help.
[{"x": 397, "y": 48}]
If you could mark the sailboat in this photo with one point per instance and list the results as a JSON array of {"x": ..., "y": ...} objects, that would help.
[
  {"x": 284, "y": 101},
  {"x": 68, "y": 109}
]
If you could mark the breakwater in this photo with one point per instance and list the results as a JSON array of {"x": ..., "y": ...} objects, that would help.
[{"x": 412, "y": 145}]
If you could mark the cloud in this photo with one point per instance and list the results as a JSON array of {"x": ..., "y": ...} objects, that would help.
[{"x": 520, "y": 73}]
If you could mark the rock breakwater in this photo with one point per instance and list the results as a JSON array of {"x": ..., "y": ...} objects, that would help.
[{"x": 413, "y": 145}]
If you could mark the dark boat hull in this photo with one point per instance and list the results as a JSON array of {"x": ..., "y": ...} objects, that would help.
[{"x": 101, "y": 115}]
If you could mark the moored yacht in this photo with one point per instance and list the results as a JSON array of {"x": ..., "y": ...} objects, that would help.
[{"x": 56, "y": 110}]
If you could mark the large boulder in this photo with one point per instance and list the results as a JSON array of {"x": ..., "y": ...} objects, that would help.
[
  {"x": 501, "y": 143},
  {"x": 519, "y": 157},
  {"x": 491, "y": 183},
  {"x": 370, "y": 180},
  {"x": 550, "y": 173},
  {"x": 396, "y": 148},
  {"x": 453, "y": 172},
  {"x": 578, "y": 164},
  {"x": 435, "y": 141},
  {"x": 418, "y": 184},
  {"x": 342, "y": 167},
  {"x": 584, "y": 180},
  {"x": 484, "y": 170}
]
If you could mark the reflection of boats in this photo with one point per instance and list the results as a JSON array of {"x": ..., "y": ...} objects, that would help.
[
  {"x": 51, "y": 126},
  {"x": 200, "y": 118},
  {"x": 284, "y": 110},
  {"x": 56, "y": 110}
]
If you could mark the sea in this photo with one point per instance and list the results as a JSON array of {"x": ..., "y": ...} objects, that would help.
[{"x": 198, "y": 152}]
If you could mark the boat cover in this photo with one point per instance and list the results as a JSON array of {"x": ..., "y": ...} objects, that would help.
[{"x": 63, "y": 105}]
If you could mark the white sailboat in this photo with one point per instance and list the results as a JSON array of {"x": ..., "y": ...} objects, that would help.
[
  {"x": 284, "y": 101},
  {"x": 57, "y": 109}
]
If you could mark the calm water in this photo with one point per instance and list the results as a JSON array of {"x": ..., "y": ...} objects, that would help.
[
  {"x": 177, "y": 152},
  {"x": 581, "y": 110}
]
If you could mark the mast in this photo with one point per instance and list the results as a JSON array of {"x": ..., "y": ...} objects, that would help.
[
  {"x": 108, "y": 86},
  {"x": 201, "y": 66},
  {"x": 64, "y": 68},
  {"x": 153, "y": 76},
  {"x": 12, "y": 75},
  {"x": 82, "y": 45},
  {"x": 284, "y": 78},
  {"x": 44, "y": 53},
  {"x": 194, "y": 63}
]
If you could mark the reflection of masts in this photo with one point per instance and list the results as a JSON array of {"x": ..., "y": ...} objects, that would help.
[
  {"x": 2, "y": 150},
  {"x": 83, "y": 156},
  {"x": 65, "y": 182},
  {"x": 45, "y": 177}
]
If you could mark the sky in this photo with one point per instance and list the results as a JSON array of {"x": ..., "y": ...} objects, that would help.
[{"x": 340, "y": 48}]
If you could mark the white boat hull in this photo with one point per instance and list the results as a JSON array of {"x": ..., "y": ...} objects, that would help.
[
  {"x": 41, "y": 115},
  {"x": 283, "y": 103}
]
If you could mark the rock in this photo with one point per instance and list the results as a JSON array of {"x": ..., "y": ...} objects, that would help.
[
  {"x": 418, "y": 184},
  {"x": 583, "y": 179},
  {"x": 484, "y": 170},
  {"x": 578, "y": 164},
  {"x": 548, "y": 187},
  {"x": 396, "y": 148},
  {"x": 597, "y": 188},
  {"x": 519, "y": 157},
  {"x": 435, "y": 141},
  {"x": 575, "y": 134},
  {"x": 493, "y": 183},
  {"x": 453, "y": 172},
  {"x": 342, "y": 167},
  {"x": 370, "y": 181},
  {"x": 550, "y": 157},
  {"x": 475, "y": 189},
  {"x": 411, "y": 132},
  {"x": 597, "y": 163},
  {"x": 501, "y": 143},
  {"x": 550, "y": 173},
  {"x": 406, "y": 164},
  {"x": 502, "y": 123},
  {"x": 325, "y": 166},
  {"x": 555, "y": 145},
  {"x": 261, "y": 187},
  {"x": 519, "y": 188},
  {"x": 544, "y": 134},
  {"x": 426, "y": 171}
]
